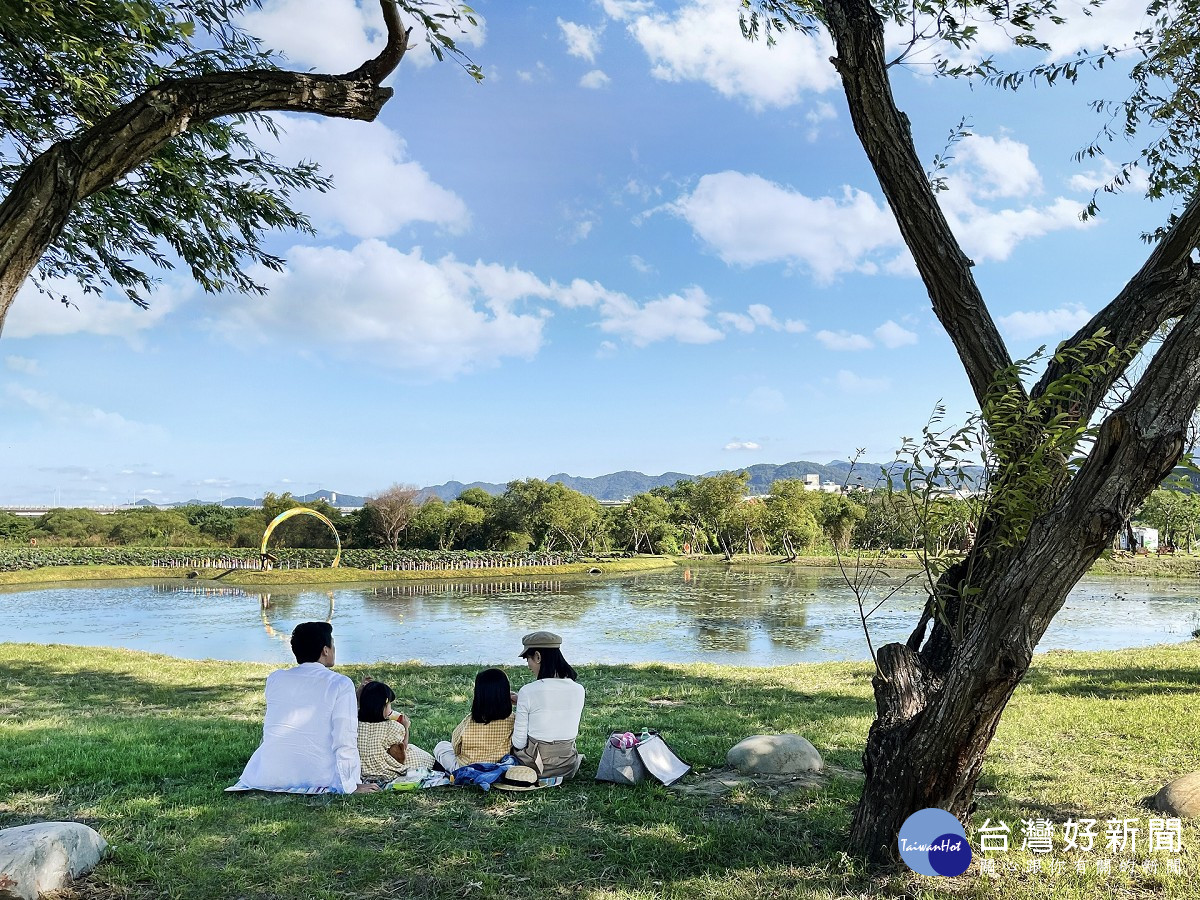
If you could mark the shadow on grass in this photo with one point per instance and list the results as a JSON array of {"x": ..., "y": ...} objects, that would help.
[{"x": 1112, "y": 683}]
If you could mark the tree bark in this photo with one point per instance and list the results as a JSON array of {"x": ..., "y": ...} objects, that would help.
[
  {"x": 939, "y": 697},
  {"x": 34, "y": 212}
]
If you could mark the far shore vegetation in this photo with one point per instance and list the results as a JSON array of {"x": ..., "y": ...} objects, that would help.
[
  {"x": 1140, "y": 566},
  {"x": 141, "y": 746},
  {"x": 551, "y": 524}
]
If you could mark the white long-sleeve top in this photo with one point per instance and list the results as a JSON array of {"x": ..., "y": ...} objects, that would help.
[
  {"x": 548, "y": 709},
  {"x": 310, "y": 733}
]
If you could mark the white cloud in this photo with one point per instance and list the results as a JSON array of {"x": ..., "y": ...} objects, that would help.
[
  {"x": 759, "y": 315},
  {"x": 736, "y": 321},
  {"x": 843, "y": 340},
  {"x": 78, "y": 415},
  {"x": 376, "y": 189},
  {"x": 850, "y": 383},
  {"x": 1083, "y": 29},
  {"x": 1001, "y": 166},
  {"x": 335, "y": 36},
  {"x": 993, "y": 235},
  {"x": 22, "y": 364},
  {"x": 742, "y": 445},
  {"x": 397, "y": 309},
  {"x": 892, "y": 335},
  {"x": 579, "y": 230},
  {"x": 702, "y": 41},
  {"x": 1059, "y": 322},
  {"x": 606, "y": 349},
  {"x": 581, "y": 41},
  {"x": 594, "y": 79},
  {"x": 749, "y": 220},
  {"x": 820, "y": 113},
  {"x": 34, "y": 314},
  {"x": 439, "y": 318},
  {"x": 1095, "y": 179},
  {"x": 682, "y": 317},
  {"x": 1115, "y": 25},
  {"x": 328, "y": 35},
  {"x": 641, "y": 265}
]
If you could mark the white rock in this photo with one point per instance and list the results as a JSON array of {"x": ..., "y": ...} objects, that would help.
[
  {"x": 775, "y": 754},
  {"x": 37, "y": 859}
]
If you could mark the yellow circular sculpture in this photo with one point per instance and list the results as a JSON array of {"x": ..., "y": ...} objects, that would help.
[{"x": 302, "y": 511}]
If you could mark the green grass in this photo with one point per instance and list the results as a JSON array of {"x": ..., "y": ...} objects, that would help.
[{"x": 140, "y": 746}]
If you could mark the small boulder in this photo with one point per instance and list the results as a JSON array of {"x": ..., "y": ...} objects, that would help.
[
  {"x": 1180, "y": 797},
  {"x": 775, "y": 754},
  {"x": 37, "y": 859}
]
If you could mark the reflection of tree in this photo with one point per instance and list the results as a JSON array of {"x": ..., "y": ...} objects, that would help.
[
  {"x": 730, "y": 606},
  {"x": 264, "y": 606},
  {"x": 532, "y": 603}
]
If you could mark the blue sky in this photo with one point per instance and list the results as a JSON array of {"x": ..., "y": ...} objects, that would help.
[{"x": 641, "y": 243}]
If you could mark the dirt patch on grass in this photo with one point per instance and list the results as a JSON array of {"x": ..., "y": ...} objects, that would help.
[{"x": 718, "y": 782}]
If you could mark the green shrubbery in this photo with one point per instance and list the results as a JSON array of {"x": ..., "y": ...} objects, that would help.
[{"x": 14, "y": 559}]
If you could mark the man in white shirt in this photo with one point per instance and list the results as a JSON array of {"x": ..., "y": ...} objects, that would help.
[{"x": 310, "y": 732}]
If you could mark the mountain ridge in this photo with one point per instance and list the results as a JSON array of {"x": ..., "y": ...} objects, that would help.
[{"x": 611, "y": 487}]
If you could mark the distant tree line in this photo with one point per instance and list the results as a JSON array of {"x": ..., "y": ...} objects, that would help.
[{"x": 709, "y": 515}]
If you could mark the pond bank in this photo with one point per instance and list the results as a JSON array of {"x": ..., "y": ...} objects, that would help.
[
  {"x": 255, "y": 577},
  {"x": 140, "y": 746},
  {"x": 1171, "y": 565}
]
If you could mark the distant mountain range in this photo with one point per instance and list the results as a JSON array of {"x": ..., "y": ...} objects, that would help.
[
  {"x": 620, "y": 485},
  {"x": 616, "y": 486},
  {"x": 331, "y": 497}
]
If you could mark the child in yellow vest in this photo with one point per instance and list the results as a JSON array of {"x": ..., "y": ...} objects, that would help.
[
  {"x": 486, "y": 734},
  {"x": 383, "y": 736}
]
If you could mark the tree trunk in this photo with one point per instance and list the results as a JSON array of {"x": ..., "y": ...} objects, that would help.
[{"x": 939, "y": 697}]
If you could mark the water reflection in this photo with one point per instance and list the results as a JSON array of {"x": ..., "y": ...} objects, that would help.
[{"x": 750, "y": 616}]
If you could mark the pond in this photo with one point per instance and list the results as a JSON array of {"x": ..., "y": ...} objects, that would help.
[{"x": 741, "y": 616}]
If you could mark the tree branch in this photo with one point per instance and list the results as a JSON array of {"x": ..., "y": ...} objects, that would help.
[
  {"x": 857, "y": 31},
  {"x": 1166, "y": 286},
  {"x": 33, "y": 214}
]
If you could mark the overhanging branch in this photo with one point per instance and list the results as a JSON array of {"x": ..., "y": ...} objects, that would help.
[{"x": 37, "y": 207}]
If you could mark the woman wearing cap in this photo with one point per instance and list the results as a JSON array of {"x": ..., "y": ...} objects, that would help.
[{"x": 546, "y": 722}]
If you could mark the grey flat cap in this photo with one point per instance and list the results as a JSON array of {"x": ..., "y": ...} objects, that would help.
[{"x": 539, "y": 640}]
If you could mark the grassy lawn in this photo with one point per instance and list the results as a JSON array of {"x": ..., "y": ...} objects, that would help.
[{"x": 140, "y": 747}]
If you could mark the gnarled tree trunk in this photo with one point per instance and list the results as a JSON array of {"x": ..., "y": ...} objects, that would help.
[{"x": 939, "y": 697}]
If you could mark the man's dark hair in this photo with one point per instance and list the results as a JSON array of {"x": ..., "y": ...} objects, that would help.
[
  {"x": 493, "y": 697},
  {"x": 553, "y": 665},
  {"x": 374, "y": 697},
  {"x": 309, "y": 639}
]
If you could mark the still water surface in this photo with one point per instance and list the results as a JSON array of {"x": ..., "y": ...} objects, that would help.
[{"x": 737, "y": 616}]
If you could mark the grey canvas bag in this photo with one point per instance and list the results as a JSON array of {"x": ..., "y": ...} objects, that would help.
[
  {"x": 620, "y": 765},
  {"x": 629, "y": 765}
]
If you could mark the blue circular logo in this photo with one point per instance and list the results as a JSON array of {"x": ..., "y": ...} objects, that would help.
[{"x": 933, "y": 842}]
